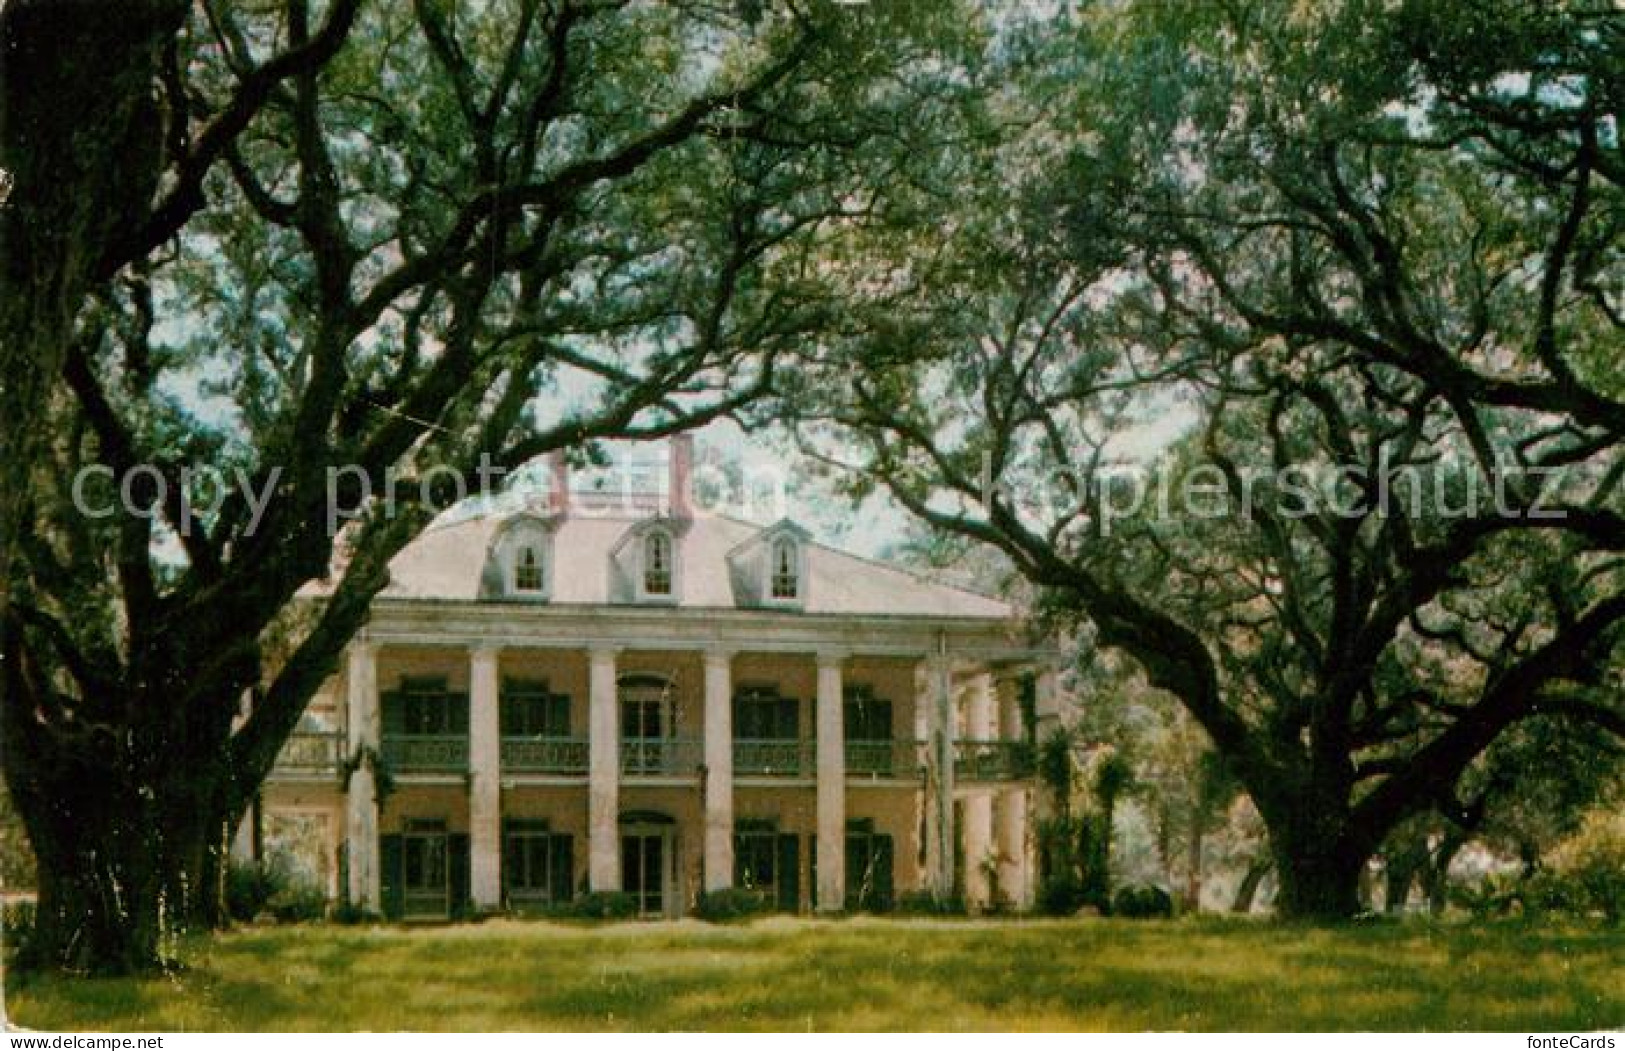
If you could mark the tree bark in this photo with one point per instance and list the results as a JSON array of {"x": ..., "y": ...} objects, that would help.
[
  {"x": 1247, "y": 891},
  {"x": 1319, "y": 880}
]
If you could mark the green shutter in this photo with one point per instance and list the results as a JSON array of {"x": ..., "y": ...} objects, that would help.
[
  {"x": 563, "y": 867},
  {"x": 789, "y": 874},
  {"x": 392, "y": 713},
  {"x": 389, "y": 873},
  {"x": 884, "y": 894},
  {"x": 457, "y": 714},
  {"x": 789, "y": 719},
  {"x": 457, "y": 858}
]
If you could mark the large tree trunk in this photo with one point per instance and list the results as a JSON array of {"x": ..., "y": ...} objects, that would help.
[
  {"x": 1317, "y": 871},
  {"x": 121, "y": 872}
]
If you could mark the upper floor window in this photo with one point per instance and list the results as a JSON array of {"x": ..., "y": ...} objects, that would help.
[
  {"x": 527, "y": 569},
  {"x": 657, "y": 563},
  {"x": 785, "y": 578}
]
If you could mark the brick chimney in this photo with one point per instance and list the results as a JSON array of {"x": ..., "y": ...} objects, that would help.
[
  {"x": 559, "y": 495},
  {"x": 682, "y": 470}
]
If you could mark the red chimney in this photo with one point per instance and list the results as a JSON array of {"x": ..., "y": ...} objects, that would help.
[
  {"x": 559, "y": 498},
  {"x": 682, "y": 468}
]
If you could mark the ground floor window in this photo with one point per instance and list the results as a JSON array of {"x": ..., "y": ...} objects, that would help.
[
  {"x": 424, "y": 870},
  {"x": 869, "y": 864},
  {"x": 768, "y": 862},
  {"x": 538, "y": 865}
]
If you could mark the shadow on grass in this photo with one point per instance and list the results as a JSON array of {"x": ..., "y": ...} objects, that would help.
[{"x": 869, "y": 974}]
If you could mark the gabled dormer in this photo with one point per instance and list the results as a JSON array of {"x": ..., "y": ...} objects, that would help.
[
  {"x": 646, "y": 565},
  {"x": 770, "y": 570},
  {"x": 520, "y": 562}
]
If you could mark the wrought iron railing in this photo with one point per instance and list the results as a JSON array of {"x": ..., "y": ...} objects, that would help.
[
  {"x": 311, "y": 753},
  {"x": 545, "y": 755},
  {"x": 888, "y": 758},
  {"x": 769, "y": 757},
  {"x": 992, "y": 760},
  {"x": 661, "y": 756},
  {"x": 431, "y": 753}
]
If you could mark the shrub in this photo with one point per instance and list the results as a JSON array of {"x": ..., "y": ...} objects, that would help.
[
  {"x": 1061, "y": 895},
  {"x": 1138, "y": 903},
  {"x": 721, "y": 906},
  {"x": 599, "y": 905},
  {"x": 1589, "y": 866},
  {"x": 925, "y": 903},
  {"x": 250, "y": 886},
  {"x": 298, "y": 903}
]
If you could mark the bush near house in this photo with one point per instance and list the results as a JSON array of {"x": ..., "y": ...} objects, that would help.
[
  {"x": 597, "y": 905},
  {"x": 1143, "y": 902},
  {"x": 722, "y": 906}
]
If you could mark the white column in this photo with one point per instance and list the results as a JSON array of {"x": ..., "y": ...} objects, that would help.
[
  {"x": 604, "y": 773},
  {"x": 978, "y": 805},
  {"x": 361, "y": 794},
  {"x": 1010, "y": 806},
  {"x": 485, "y": 780},
  {"x": 719, "y": 770},
  {"x": 831, "y": 787},
  {"x": 943, "y": 732}
]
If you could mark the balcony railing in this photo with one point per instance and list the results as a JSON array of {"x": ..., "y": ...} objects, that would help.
[
  {"x": 767, "y": 757},
  {"x": 992, "y": 760},
  {"x": 661, "y": 756},
  {"x": 545, "y": 755},
  {"x": 311, "y": 753},
  {"x": 426, "y": 753},
  {"x": 892, "y": 758}
]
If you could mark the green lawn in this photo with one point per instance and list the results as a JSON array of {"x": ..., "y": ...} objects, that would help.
[{"x": 865, "y": 974}]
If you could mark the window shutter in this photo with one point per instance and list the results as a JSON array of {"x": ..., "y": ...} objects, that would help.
[
  {"x": 789, "y": 719},
  {"x": 789, "y": 874},
  {"x": 558, "y": 715},
  {"x": 562, "y": 867},
  {"x": 883, "y": 897},
  {"x": 389, "y": 875},
  {"x": 457, "y": 859},
  {"x": 457, "y": 714},
  {"x": 392, "y": 713}
]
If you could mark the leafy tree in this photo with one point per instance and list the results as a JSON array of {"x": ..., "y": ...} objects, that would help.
[
  {"x": 348, "y": 255},
  {"x": 1365, "y": 262}
]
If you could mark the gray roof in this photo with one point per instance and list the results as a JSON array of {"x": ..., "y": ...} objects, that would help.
[{"x": 448, "y": 562}]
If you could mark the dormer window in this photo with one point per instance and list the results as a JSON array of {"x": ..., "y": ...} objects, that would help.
[
  {"x": 527, "y": 570},
  {"x": 657, "y": 564},
  {"x": 785, "y": 565}
]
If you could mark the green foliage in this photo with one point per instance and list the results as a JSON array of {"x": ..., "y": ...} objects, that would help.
[
  {"x": 250, "y": 887},
  {"x": 598, "y": 905},
  {"x": 729, "y": 904},
  {"x": 257, "y": 888},
  {"x": 1591, "y": 865},
  {"x": 1142, "y": 902},
  {"x": 16, "y": 922}
]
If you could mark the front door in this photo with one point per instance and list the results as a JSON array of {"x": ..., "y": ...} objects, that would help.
[{"x": 645, "y": 859}]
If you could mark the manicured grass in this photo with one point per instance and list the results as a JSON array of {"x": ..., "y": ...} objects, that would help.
[{"x": 866, "y": 974}]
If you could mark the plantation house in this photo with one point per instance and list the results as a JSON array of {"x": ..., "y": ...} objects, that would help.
[{"x": 627, "y": 694}]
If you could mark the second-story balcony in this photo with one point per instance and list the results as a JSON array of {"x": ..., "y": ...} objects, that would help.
[
  {"x": 774, "y": 757},
  {"x": 884, "y": 759},
  {"x": 662, "y": 756},
  {"x": 426, "y": 753},
  {"x": 565, "y": 756},
  {"x": 310, "y": 754},
  {"x": 992, "y": 760}
]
